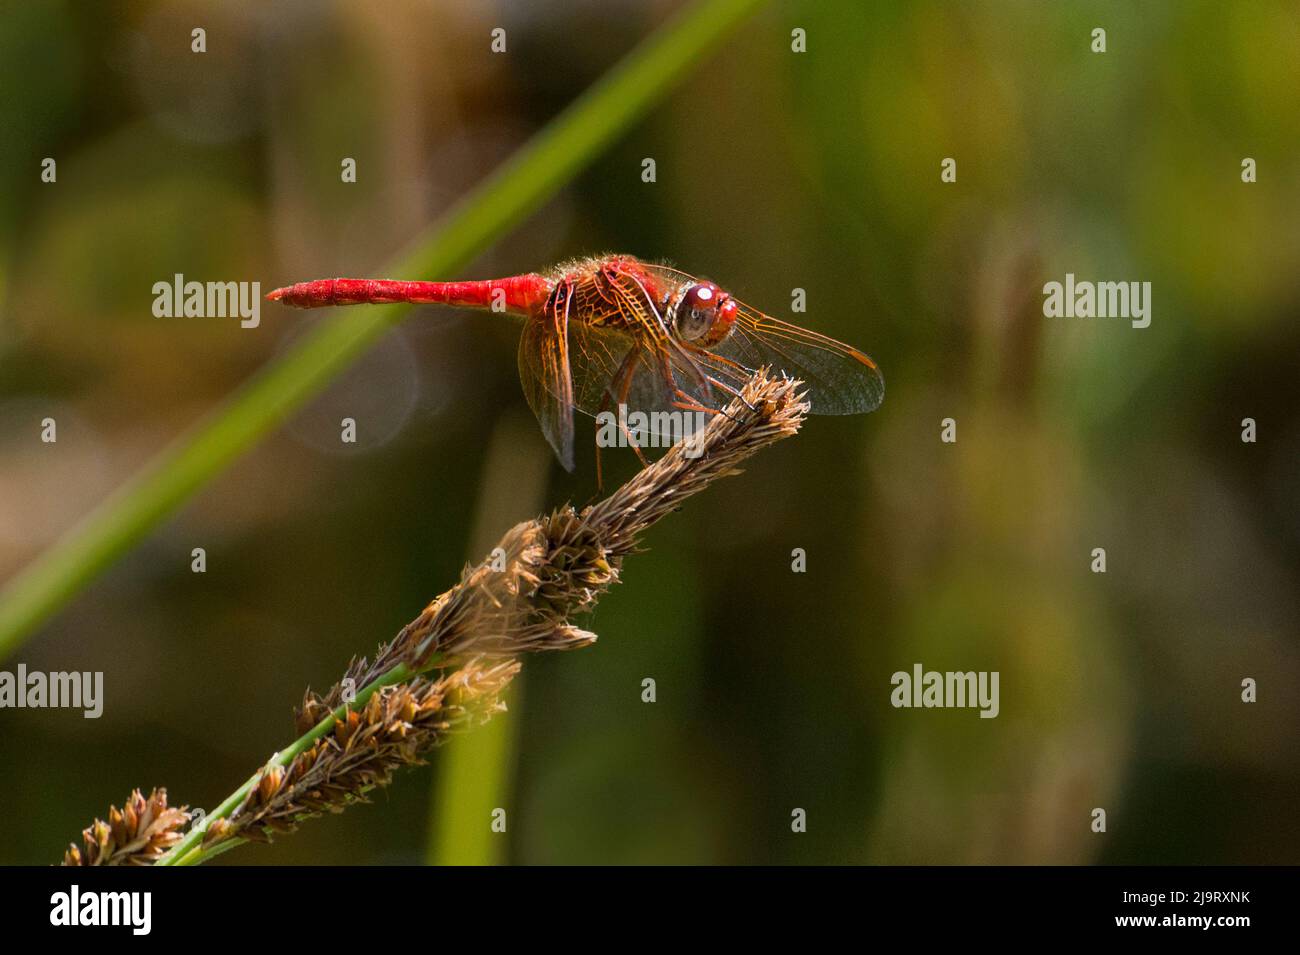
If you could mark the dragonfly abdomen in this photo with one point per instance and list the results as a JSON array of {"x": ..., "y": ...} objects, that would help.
[{"x": 519, "y": 294}]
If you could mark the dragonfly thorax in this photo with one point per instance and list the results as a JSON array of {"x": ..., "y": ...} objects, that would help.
[{"x": 702, "y": 314}]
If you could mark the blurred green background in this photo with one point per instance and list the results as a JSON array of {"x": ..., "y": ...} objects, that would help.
[{"x": 775, "y": 170}]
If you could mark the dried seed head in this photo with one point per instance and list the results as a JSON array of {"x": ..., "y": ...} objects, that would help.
[
  {"x": 395, "y": 728},
  {"x": 517, "y": 601},
  {"x": 137, "y": 834},
  {"x": 542, "y": 572}
]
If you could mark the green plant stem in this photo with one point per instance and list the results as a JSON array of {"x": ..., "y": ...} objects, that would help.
[
  {"x": 189, "y": 851},
  {"x": 517, "y": 188},
  {"x": 472, "y": 781},
  {"x": 200, "y": 855}
]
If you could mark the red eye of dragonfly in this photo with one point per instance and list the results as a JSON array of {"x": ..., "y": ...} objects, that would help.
[
  {"x": 614, "y": 330},
  {"x": 703, "y": 315}
]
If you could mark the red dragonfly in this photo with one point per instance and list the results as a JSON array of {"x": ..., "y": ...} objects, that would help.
[{"x": 612, "y": 330}]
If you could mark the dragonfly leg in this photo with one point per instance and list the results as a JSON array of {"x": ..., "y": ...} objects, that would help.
[
  {"x": 635, "y": 447},
  {"x": 604, "y": 406},
  {"x": 626, "y": 372},
  {"x": 689, "y": 404},
  {"x": 729, "y": 390},
  {"x": 622, "y": 383},
  {"x": 736, "y": 366}
]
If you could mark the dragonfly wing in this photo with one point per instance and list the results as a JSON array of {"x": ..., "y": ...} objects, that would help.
[
  {"x": 611, "y": 368},
  {"x": 544, "y": 371},
  {"x": 839, "y": 379},
  {"x": 657, "y": 384}
]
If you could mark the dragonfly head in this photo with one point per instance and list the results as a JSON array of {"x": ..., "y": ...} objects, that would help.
[{"x": 703, "y": 314}]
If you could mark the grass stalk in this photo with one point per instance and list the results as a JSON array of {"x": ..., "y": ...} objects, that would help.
[
  {"x": 555, "y": 567},
  {"x": 188, "y": 852}
]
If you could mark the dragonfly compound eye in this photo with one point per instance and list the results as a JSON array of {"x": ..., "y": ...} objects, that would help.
[
  {"x": 696, "y": 311},
  {"x": 704, "y": 314}
]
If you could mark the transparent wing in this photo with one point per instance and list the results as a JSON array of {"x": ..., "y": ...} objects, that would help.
[
  {"x": 597, "y": 371},
  {"x": 615, "y": 368},
  {"x": 839, "y": 378},
  {"x": 544, "y": 371}
]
